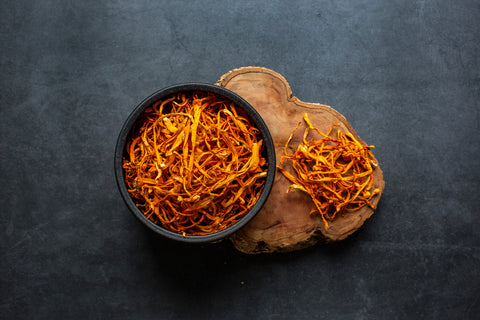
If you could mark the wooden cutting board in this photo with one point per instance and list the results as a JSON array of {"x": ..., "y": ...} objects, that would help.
[{"x": 284, "y": 223}]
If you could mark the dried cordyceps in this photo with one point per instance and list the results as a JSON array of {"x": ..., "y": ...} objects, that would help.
[
  {"x": 194, "y": 163},
  {"x": 336, "y": 171}
]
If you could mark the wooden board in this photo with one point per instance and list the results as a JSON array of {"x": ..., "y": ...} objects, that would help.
[{"x": 284, "y": 223}]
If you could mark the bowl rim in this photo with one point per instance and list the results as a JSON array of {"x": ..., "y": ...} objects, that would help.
[{"x": 184, "y": 87}]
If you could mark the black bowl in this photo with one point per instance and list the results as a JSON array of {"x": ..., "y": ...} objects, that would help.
[{"x": 240, "y": 103}]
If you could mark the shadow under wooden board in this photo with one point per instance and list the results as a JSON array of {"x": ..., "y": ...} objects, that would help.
[{"x": 284, "y": 223}]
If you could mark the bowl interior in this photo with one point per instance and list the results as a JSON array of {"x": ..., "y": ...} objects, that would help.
[{"x": 255, "y": 118}]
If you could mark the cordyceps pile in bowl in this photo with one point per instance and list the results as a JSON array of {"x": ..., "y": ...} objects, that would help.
[{"x": 195, "y": 162}]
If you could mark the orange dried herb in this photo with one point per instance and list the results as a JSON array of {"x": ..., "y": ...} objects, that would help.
[
  {"x": 194, "y": 163},
  {"x": 336, "y": 171}
]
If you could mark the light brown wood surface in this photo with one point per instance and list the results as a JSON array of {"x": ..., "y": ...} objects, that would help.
[{"x": 284, "y": 223}]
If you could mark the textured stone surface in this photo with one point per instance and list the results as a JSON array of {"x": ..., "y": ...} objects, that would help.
[{"x": 406, "y": 74}]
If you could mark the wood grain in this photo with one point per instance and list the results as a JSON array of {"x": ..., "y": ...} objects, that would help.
[{"x": 284, "y": 223}]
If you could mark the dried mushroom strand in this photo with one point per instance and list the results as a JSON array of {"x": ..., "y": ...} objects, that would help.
[
  {"x": 195, "y": 164},
  {"x": 335, "y": 171}
]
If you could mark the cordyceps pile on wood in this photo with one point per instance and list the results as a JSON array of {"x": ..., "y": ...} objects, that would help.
[
  {"x": 336, "y": 171},
  {"x": 194, "y": 163}
]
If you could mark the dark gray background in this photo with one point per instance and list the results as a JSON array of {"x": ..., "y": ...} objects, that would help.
[{"x": 406, "y": 74}]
